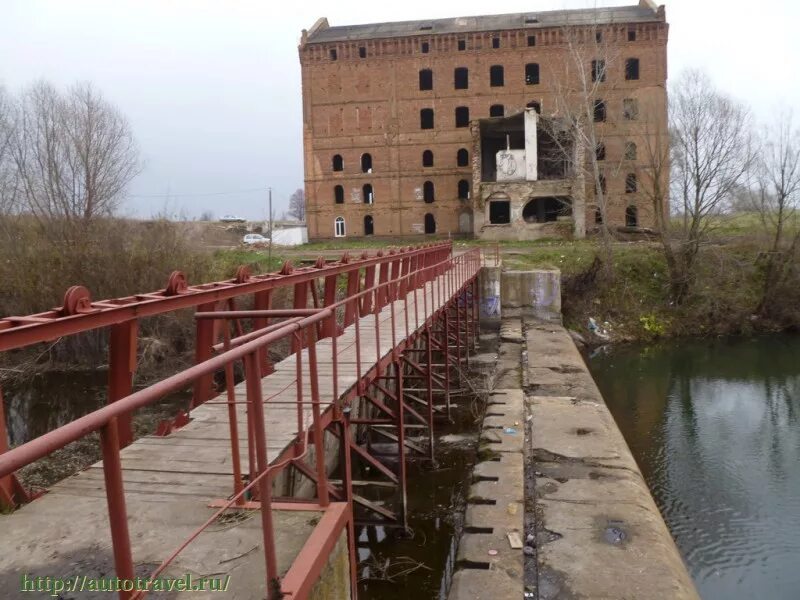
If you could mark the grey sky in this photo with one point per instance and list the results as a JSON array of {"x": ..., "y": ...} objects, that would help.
[{"x": 212, "y": 88}]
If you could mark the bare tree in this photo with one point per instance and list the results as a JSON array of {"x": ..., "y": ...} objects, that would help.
[
  {"x": 297, "y": 205},
  {"x": 8, "y": 187}
]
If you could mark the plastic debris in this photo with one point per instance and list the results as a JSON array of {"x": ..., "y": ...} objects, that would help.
[
  {"x": 510, "y": 430},
  {"x": 492, "y": 552},
  {"x": 514, "y": 540}
]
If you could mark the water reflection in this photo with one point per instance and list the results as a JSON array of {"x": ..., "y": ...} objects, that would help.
[{"x": 714, "y": 428}]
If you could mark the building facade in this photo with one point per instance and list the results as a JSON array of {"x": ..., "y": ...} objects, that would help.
[{"x": 409, "y": 127}]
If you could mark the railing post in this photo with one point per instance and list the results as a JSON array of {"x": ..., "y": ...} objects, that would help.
[
  {"x": 203, "y": 387},
  {"x": 318, "y": 433},
  {"x": 263, "y": 301},
  {"x": 121, "y": 367}
]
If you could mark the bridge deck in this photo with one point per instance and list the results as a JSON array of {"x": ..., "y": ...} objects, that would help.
[{"x": 169, "y": 482}]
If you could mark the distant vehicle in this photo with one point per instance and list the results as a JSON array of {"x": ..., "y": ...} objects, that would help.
[
  {"x": 233, "y": 219},
  {"x": 255, "y": 238}
]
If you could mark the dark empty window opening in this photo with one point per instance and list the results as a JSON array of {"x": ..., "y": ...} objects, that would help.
[
  {"x": 630, "y": 183},
  {"x": 500, "y": 212},
  {"x": 530, "y": 20},
  {"x": 495, "y": 42},
  {"x": 462, "y": 116},
  {"x": 535, "y": 106},
  {"x": 531, "y": 40},
  {"x": 462, "y": 157},
  {"x": 630, "y": 109},
  {"x": 598, "y": 217},
  {"x": 631, "y": 217},
  {"x": 427, "y": 158},
  {"x": 630, "y": 151},
  {"x": 362, "y": 52},
  {"x": 425, "y": 47},
  {"x": 430, "y": 223},
  {"x": 369, "y": 225},
  {"x": 366, "y": 163},
  {"x": 598, "y": 70},
  {"x": 600, "y": 152},
  {"x": 546, "y": 210},
  {"x": 426, "y": 79},
  {"x": 426, "y": 118},
  {"x": 598, "y": 37},
  {"x": 338, "y": 194},
  {"x": 496, "y": 110},
  {"x": 462, "y": 44},
  {"x": 428, "y": 192},
  {"x": 368, "y": 195},
  {"x": 532, "y": 74},
  {"x": 426, "y": 28},
  {"x": 334, "y": 55},
  {"x": 461, "y": 77},
  {"x": 599, "y": 111},
  {"x": 631, "y": 35},
  {"x": 338, "y": 163},
  {"x": 463, "y": 189},
  {"x": 632, "y": 69},
  {"x": 496, "y": 76}
]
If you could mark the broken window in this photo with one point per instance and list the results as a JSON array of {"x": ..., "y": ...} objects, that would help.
[
  {"x": 428, "y": 192},
  {"x": 598, "y": 217},
  {"x": 546, "y": 210},
  {"x": 598, "y": 36},
  {"x": 338, "y": 163},
  {"x": 369, "y": 225},
  {"x": 532, "y": 74},
  {"x": 463, "y": 189},
  {"x": 632, "y": 69},
  {"x": 599, "y": 111},
  {"x": 495, "y": 42},
  {"x": 426, "y": 118},
  {"x": 631, "y": 217},
  {"x": 630, "y": 109},
  {"x": 462, "y": 116},
  {"x": 600, "y": 151},
  {"x": 630, "y": 151},
  {"x": 535, "y": 106},
  {"x": 630, "y": 183},
  {"x": 430, "y": 223},
  {"x": 500, "y": 212},
  {"x": 338, "y": 194},
  {"x": 426, "y": 79},
  {"x": 631, "y": 35},
  {"x": 333, "y": 54},
  {"x": 366, "y": 163},
  {"x": 367, "y": 195},
  {"x": 496, "y": 110},
  {"x": 462, "y": 157},
  {"x": 462, "y": 44},
  {"x": 362, "y": 52},
  {"x": 531, "y": 40},
  {"x": 427, "y": 158},
  {"x": 338, "y": 227},
  {"x": 496, "y": 76},
  {"x": 425, "y": 47},
  {"x": 461, "y": 76},
  {"x": 598, "y": 70}
]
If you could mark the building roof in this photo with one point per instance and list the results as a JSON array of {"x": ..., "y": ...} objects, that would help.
[{"x": 644, "y": 12}]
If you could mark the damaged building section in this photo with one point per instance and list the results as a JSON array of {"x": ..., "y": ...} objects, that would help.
[{"x": 527, "y": 185}]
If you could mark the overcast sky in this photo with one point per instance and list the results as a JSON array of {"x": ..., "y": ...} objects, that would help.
[{"x": 212, "y": 88}]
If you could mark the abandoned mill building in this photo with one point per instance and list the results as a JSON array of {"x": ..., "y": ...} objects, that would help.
[{"x": 484, "y": 126}]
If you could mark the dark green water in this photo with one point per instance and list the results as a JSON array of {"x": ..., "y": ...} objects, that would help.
[{"x": 715, "y": 428}]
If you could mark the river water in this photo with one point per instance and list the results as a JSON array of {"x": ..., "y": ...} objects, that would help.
[{"x": 715, "y": 428}]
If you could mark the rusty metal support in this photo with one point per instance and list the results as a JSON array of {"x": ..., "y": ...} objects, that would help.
[{"x": 121, "y": 367}]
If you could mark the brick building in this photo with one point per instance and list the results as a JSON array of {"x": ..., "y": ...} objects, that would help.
[{"x": 424, "y": 127}]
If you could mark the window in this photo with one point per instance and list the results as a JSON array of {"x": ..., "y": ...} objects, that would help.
[
  {"x": 500, "y": 212},
  {"x": 367, "y": 194},
  {"x": 535, "y": 106},
  {"x": 462, "y": 44},
  {"x": 630, "y": 109},
  {"x": 425, "y": 79},
  {"x": 631, "y": 35},
  {"x": 496, "y": 76},
  {"x": 333, "y": 54},
  {"x": 598, "y": 37},
  {"x": 425, "y": 47},
  {"x": 462, "y": 116},
  {"x": 338, "y": 227},
  {"x": 426, "y": 118},
  {"x": 598, "y": 70},
  {"x": 546, "y": 210},
  {"x": 600, "y": 151},
  {"x": 430, "y": 223},
  {"x": 632, "y": 69},
  {"x": 631, "y": 217},
  {"x": 369, "y": 225},
  {"x": 630, "y": 183},
  {"x": 630, "y": 151},
  {"x": 338, "y": 194},
  {"x": 495, "y": 42},
  {"x": 427, "y": 158},
  {"x": 603, "y": 186},
  {"x": 461, "y": 76},
  {"x": 428, "y": 192},
  {"x": 532, "y": 74},
  {"x": 531, "y": 40},
  {"x": 463, "y": 189},
  {"x": 496, "y": 110},
  {"x": 599, "y": 111},
  {"x": 366, "y": 163},
  {"x": 598, "y": 217},
  {"x": 338, "y": 163},
  {"x": 462, "y": 157},
  {"x": 362, "y": 52}
]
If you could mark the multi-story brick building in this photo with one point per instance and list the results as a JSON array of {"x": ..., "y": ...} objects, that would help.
[{"x": 404, "y": 123}]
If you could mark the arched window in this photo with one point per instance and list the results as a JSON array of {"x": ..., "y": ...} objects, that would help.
[
  {"x": 426, "y": 118},
  {"x": 631, "y": 217},
  {"x": 338, "y": 163},
  {"x": 532, "y": 74},
  {"x": 546, "y": 210},
  {"x": 369, "y": 225},
  {"x": 630, "y": 151},
  {"x": 366, "y": 163},
  {"x": 463, "y": 189},
  {"x": 368, "y": 196},
  {"x": 496, "y": 77},
  {"x": 427, "y": 158},
  {"x": 462, "y": 116},
  {"x": 338, "y": 227},
  {"x": 600, "y": 151},
  {"x": 496, "y": 110},
  {"x": 428, "y": 192},
  {"x": 598, "y": 217},
  {"x": 535, "y": 106},
  {"x": 426, "y": 79},
  {"x": 462, "y": 157},
  {"x": 430, "y": 223},
  {"x": 461, "y": 78},
  {"x": 630, "y": 183},
  {"x": 338, "y": 194}
]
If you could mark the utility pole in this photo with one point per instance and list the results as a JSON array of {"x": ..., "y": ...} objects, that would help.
[{"x": 269, "y": 256}]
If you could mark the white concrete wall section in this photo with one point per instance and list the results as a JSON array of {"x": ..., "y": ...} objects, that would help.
[
  {"x": 531, "y": 149},
  {"x": 292, "y": 236}
]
